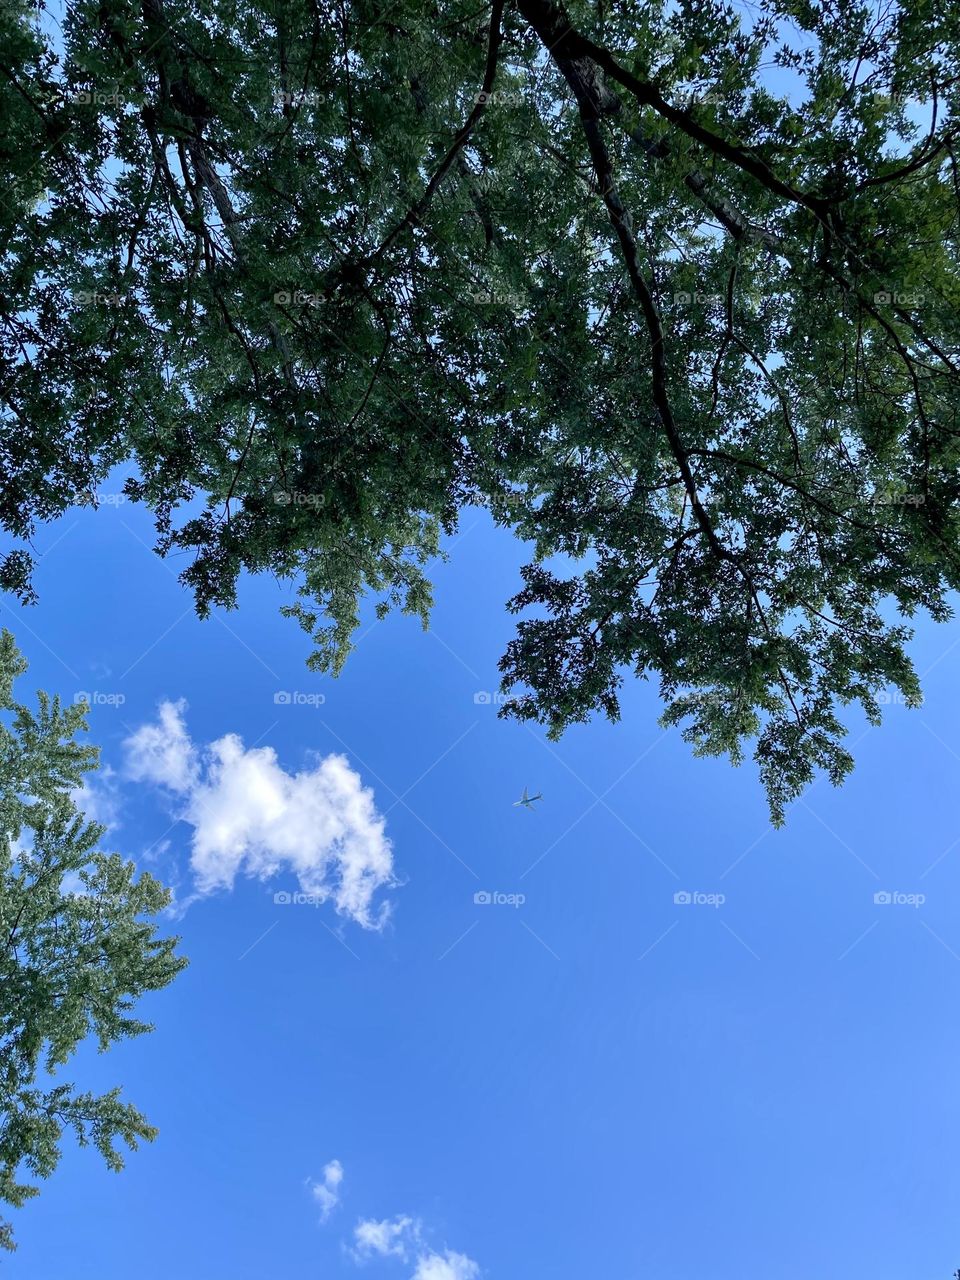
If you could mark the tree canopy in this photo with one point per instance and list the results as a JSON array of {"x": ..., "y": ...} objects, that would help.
[
  {"x": 670, "y": 289},
  {"x": 77, "y": 945}
]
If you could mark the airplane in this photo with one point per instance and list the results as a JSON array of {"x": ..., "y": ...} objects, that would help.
[{"x": 527, "y": 801}]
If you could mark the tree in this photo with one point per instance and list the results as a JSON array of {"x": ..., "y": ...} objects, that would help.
[
  {"x": 323, "y": 272},
  {"x": 77, "y": 945}
]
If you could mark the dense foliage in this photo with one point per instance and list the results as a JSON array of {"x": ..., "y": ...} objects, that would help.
[
  {"x": 669, "y": 288},
  {"x": 77, "y": 945}
]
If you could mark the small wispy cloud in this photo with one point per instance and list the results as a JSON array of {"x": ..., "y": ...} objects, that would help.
[
  {"x": 99, "y": 797},
  {"x": 388, "y": 1238},
  {"x": 251, "y": 817},
  {"x": 162, "y": 752},
  {"x": 402, "y": 1237},
  {"x": 327, "y": 1191},
  {"x": 446, "y": 1266}
]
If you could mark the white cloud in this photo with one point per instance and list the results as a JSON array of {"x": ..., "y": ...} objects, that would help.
[
  {"x": 446, "y": 1266},
  {"x": 98, "y": 797},
  {"x": 156, "y": 851},
  {"x": 401, "y": 1237},
  {"x": 163, "y": 752},
  {"x": 327, "y": 1192},
  {"x": 71, "y": 886},
  {"x": 390, "y": 1238},
  {"x": 251, "y": 817}
]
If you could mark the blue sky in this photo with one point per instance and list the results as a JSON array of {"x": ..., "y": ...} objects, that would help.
[{"x": 597, "y": 1081}]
